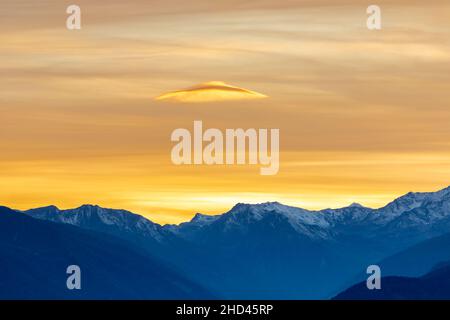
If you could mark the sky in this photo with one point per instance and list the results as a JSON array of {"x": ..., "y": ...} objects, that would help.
[{"x": 363, "y": 115}]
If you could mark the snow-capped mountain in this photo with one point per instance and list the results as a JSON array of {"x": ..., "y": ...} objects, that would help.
[
  {"x": 438, "y": 201},
  {"x": 243, "y": 217},
  {"x": 427, "y": 212},
  {"x": 35, "y": 254},
  {"x": 113, "y": 221},
  {"x": 413, "y": 217},
  {"x": 423, "y": 215},
  {"x": 316, "y": 251}
]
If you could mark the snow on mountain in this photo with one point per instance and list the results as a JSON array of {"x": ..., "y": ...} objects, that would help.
[
  {"x": 195, "y": 224},
  {"x": 95, "y": 217},
  {"x": 353, "y": 214},
  {"x": 313, "y": 224},
  {"x": 202, "y": 219},
  {"x": 413, "y": 205},
  {"x": 309, "y": 223},
  {"x": 34, "y": 255},
  {"x": 295, "y": 215},
  {"x": 298, "y": 218},
  {"x": 421, "y": 210},
  {"x": 318, "y": 251}
]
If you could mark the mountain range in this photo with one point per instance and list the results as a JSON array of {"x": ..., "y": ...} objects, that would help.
[
  {"x": 274, "y": 251},
  {"x": 35, "y": 255}
]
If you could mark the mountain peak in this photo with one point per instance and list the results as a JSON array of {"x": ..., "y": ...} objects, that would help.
[
  {"x": 447, "y": 189},
  {"x": 270, "y": 203},
  {"x": 104, "y": 219},
  {"x": 300, "y": 219},
  {"x": 435, "y": 195},
  {"x": 264, "y": 205},
  {"x": 201, "y": 219},
  {"x": 444, "y": 191},
  {"x": 50, "y": 207},
  {"x": 197, "y": 216},
  {"x": 88, "y": 206},
  {"x": 411, "y": 201},
  {"x": 356, "y": 205}
]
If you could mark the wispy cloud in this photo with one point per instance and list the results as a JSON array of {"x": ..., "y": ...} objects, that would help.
[{"x": 84, "y": 100}]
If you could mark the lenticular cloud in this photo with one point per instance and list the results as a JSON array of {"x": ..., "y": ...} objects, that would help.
[{"x": 210, "y": 92}]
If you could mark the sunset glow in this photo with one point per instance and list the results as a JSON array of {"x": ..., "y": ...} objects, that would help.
[{"x": 364, "y": 116}]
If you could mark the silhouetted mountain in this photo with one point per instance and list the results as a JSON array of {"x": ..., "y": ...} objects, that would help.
[
  {"x": 270, "y": 250},
  {"x": 150, "y": 237},
  {"x": 34, "y": 256},
  {"x": 276, "y": 251},
  {"x": 432, "y": 286},
  {"x": 418, "y": 259},
  {"x": 316, "y": 251},
  {"x": 414, "y": 261},
  {"x": 409, "y": 219}
]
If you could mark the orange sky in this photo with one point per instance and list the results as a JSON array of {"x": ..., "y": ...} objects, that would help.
[{"x": 363, "y": 116}]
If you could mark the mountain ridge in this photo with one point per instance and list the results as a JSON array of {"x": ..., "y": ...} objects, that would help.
[
  {"x": 34, "y": 256},
  {"x": 317, "y": 251},
  {"x": 412, "y": 200}
]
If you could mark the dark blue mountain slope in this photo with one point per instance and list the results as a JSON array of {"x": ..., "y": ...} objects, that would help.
[
  {"x": 435, "y": 285},
  {"x": 35, "y": 254}
]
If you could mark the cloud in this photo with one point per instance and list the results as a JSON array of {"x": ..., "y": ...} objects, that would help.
[{"x": 210, "y": 92}]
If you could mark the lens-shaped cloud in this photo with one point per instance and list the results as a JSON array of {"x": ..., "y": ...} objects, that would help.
[{"x": 210, "y": 92}]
